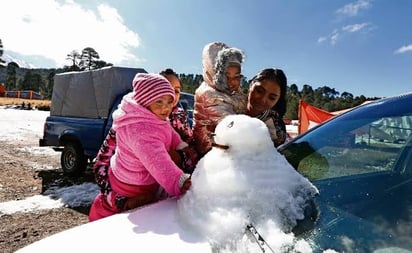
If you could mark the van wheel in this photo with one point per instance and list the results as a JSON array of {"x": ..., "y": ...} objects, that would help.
[{"x": 72, "y": 159}]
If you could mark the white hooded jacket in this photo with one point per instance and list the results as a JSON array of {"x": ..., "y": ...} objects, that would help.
[{"x": 213, "y": 98}]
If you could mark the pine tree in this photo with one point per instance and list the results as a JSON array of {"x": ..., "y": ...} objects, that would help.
[
  {"x": 2, "y": 62},
  {"x": 74, "y": 57},
  {"x": 89, "y": 59}
]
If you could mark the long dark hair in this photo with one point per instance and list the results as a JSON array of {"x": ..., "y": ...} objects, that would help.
[
  {"x": 168, "y": 72},
  {"x": 279, "y": 77}
]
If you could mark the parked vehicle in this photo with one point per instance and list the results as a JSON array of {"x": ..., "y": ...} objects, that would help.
[
  {"x": 81, "y": 113},
  {"x": 77, "y": 138},
  {"x": 187, "y": 102},
  {"x": 361, "y": 162}
]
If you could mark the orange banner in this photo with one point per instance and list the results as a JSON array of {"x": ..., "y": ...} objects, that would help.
[{"x": 310, "y": 116}]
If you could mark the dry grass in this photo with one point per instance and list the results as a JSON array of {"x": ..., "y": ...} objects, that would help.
[{"x": 34, "y": 103}]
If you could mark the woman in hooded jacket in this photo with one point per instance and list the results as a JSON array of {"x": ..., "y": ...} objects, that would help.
[{"x": 219, "y": 94}]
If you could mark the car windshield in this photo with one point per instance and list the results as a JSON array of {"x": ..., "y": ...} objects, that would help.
[{"x": 361, "y": 162}]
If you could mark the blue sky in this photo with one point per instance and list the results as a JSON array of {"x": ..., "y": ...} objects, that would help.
[{"x": 363, "y": 46}]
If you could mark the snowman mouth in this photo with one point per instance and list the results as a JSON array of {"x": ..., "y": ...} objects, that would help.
[{"x": 220, "y": 146}]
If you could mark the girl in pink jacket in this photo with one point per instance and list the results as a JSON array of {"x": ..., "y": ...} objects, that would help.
[{"x": 141, "y": 167}]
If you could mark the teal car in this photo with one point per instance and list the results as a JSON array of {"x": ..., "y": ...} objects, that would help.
[{"x": 361, "y": 162}]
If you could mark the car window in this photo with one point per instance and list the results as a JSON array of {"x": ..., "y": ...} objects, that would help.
[
  {"x": 187, "y": 102},
  {"x": 368, "y": 148}
]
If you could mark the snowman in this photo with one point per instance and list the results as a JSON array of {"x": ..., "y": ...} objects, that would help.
[{"x": 242, "y": 181}]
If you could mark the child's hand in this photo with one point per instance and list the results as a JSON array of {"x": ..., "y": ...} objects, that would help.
[{"x": 186, "y": 185}]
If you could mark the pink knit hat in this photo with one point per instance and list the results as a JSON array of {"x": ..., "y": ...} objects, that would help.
[{"x": 149, "y": 87}]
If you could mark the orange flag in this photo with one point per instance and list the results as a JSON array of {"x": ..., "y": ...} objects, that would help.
[{"x": 310, "y": 116}]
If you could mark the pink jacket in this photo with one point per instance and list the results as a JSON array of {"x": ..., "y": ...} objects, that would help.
[{"x": 143, "y": 141}]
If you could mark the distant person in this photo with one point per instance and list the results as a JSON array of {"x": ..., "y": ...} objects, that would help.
[
  {"x": 140, "y": 166},
  {"x": 180, "y": 122},
  {"x": 219, "y": 94},
  {"x": 267, "y": 101}
]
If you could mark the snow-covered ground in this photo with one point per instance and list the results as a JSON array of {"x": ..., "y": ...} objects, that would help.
[{"x": 26, "y": 126}]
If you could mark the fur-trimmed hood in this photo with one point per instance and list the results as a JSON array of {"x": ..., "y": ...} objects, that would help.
[{"x": 216, "y": 57}]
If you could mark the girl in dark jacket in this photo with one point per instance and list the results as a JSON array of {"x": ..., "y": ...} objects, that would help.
[{"x": 187, "y": 157}]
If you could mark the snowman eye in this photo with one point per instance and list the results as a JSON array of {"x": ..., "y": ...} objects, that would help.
[{"x": 230, "y": 124}]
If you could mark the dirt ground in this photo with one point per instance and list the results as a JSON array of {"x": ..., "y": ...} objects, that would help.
[{"x": 24, "y": 174}]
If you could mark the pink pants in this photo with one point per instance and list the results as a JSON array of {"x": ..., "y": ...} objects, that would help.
[{"x": 119, "y": 197}]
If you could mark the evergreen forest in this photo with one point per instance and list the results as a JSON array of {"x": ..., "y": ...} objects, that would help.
[{"x": 41, "y": 80}]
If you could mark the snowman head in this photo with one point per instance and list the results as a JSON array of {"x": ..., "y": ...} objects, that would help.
[{"x": 242, "y": 134}]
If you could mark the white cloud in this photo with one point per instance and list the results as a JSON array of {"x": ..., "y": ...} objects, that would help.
[
  {"x": 334, "y": 38},
  {"x": 322, "y": 39},
  {"x": 355, "y": 27},
  {"x": 337, "y": 34},
  {"x": 331, "y": 38},
  {"x": 53, "y": 29},
  {"x": 353, "y": 9},
  {"x": 404, "y": 49}
]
